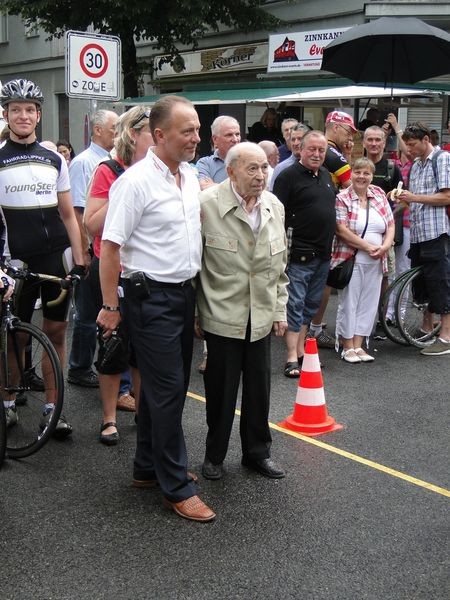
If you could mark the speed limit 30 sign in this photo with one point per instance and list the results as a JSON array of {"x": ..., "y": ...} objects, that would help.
[{"x": 92, "y": 66}]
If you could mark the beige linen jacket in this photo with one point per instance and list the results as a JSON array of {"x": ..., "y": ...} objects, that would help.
[{"x": 241, "y": 276}]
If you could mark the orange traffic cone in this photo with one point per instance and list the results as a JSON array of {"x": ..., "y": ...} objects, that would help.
[{"x": 310, "y": 415}]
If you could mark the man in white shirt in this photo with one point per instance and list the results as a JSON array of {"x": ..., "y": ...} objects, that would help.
[{"x": 152, "y": 229}]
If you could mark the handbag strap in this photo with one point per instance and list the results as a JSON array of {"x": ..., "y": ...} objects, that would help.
[{"x": 365, "y": 226}]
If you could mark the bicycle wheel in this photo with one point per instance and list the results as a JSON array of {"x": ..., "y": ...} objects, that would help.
[
  {"x": 31, "y": 431},
  {"x": 410, "y": 308},
  {"x": 2, "y": 433},
  {"x": 386, "y": 310}
]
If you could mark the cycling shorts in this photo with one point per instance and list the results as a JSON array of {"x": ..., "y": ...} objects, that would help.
[{"x": 27, "y": 292}]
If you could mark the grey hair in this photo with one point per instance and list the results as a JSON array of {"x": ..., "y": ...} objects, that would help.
[
  {"x": 362, "y": 162},
  {"x": 100, "y": 117},
  {"x": 302, "y": 127},
  {"x": 311, "y": 133},
  {"x": 234, "y": 153},
  {"x": 288, "y": 120},
  {"x": 376, "y": 129},
  {"x": 216, "y": 125}
]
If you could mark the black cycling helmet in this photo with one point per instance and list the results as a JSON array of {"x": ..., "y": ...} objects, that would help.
[{"x": 21, "y": 90}]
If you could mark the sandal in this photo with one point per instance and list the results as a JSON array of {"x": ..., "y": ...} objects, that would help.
[
  {"x": 110, "y": 439},
  {"x": 363, "y": 356},
  {"x": 350, "y": 356},
  {"x": 290, "y": 368}
]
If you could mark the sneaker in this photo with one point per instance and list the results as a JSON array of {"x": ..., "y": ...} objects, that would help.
[
  {"x": 62, "y": 429},
  {"x": 87, "y": 379},
  {"x": 325, "y": 340},
  {"x": 379, "y": 333},
  {"x": 438, "y": 348},
  {"x": 12, "y": 417}
]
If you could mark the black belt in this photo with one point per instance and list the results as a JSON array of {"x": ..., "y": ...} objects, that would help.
[{"x": 152, "y": 283}]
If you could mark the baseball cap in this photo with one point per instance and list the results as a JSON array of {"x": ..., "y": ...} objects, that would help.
[{"x": 341, "y": 118}]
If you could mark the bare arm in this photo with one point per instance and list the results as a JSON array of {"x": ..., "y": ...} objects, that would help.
[
  {"x": 109, "y": 277},
  {"x": 95, "y": 215},
  {"x": 69, "y": 219},
  {"x": 441, "y": 198},
  {"x": 353, "y": 239}
]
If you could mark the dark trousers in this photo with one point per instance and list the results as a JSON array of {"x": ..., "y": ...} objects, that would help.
[
  {"x": 161, "y": 329},
  {"x": 227, "y": 359},
  {"x": 84, "y": 337}
]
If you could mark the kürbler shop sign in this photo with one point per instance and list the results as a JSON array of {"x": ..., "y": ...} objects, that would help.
[
  {"x": 299, "y": 51},
  {"x": 213, "y": 60}
]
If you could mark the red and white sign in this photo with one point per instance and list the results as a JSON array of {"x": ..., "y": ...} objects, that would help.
[
  {"x": 299, "y": 51},
  {"x": 93, "y": 66}
]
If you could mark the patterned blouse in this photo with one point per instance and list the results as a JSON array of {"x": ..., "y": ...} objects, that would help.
[{"x": 347, "y": 209}]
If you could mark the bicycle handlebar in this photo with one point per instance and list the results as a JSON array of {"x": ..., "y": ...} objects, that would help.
[{"x": 65, "y": 284}]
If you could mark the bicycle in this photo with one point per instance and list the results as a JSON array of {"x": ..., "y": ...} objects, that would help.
[
  {"x": 406, "y": 299},
  {"x": 31, "y": 430}
]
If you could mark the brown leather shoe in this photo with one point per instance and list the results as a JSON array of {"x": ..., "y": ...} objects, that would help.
[
  {"x": 147, "y": 484},
  {"x": 192, "y": 508},
  {"x": 126, "y": 402}
]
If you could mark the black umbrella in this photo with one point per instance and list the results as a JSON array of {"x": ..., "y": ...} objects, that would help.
[{"x": 389, "y": 50}]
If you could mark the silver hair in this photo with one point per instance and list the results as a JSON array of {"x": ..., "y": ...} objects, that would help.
[
  {"x": 234, "y": 153},
  {"x": 289, "y": 120},
  {"x": 219, "y": 121},
  {"x": 376, "y": 129},
  {"x": 100, "y": 117}
]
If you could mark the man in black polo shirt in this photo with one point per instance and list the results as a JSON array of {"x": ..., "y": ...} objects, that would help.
[{"x": 307, "y": 192}]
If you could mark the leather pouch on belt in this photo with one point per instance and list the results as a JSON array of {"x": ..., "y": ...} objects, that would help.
[{"x": 302, "y": 255}]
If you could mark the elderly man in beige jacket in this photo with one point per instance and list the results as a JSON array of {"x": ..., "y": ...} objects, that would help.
[{"x": 241, "y": 298}]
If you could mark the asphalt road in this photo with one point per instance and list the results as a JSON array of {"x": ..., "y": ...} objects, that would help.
[{"x": 362, "y": 514}]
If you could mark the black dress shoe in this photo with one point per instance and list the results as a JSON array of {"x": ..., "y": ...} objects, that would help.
[
  {"x": 210, "y": 471},
  {"x": 110, "y": 439},
  {"x": 265, "y": 466}
]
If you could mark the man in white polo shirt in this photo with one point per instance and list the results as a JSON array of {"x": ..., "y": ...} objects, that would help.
[{"x": 152, "y": 229}]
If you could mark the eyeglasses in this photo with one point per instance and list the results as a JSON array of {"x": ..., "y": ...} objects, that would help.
[
  {"x": 141, "y": 117},
  {"x": 347, "y": 131}
]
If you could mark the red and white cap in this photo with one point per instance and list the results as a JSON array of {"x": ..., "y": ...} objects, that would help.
[{"x": 341, "y": 118}]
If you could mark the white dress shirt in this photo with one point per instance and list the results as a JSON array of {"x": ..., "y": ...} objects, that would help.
[{"x": 156, "y": 223}]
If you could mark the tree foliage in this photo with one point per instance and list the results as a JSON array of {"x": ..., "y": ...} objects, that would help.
[{"x": 166, "y": 23}]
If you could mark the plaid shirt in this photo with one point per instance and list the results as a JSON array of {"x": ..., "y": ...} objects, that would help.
[
  {"x": 429, "y": 222},
  {"x": 347, "y": 210}
]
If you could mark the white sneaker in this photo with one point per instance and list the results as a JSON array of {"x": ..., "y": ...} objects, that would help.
[{"x": 350, "y": 356}]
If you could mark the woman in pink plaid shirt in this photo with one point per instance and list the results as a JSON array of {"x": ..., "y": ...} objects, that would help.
[{"x": 358, "y": 302}]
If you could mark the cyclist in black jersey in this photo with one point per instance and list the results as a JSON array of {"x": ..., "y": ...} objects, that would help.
[{"x": 41, "y": 227}]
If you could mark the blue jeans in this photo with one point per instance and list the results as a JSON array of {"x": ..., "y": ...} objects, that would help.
[
  {"x": 305, "y": 289},
  {"x": 84, "y": 338}
]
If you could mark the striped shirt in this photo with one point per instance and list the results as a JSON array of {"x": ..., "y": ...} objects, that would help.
[
  {"x": 429, "y": 222},
  {"x": 347, "y": 210}
]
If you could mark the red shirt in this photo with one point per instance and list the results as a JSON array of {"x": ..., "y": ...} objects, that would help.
[{"x": 102, "y": 181}]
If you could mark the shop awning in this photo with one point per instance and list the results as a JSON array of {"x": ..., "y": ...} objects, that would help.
[
  {"x": 350, "y": 92},
  {"x": 277, "y": 92}
]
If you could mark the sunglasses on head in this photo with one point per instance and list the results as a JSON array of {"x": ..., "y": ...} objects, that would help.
[{"x": 143, "y": 115}]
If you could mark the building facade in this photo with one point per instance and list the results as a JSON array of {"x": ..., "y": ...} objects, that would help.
[{"x": 227, "y": 72}]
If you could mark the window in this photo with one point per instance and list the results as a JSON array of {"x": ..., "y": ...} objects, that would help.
[{"x": 31, "y": 30}]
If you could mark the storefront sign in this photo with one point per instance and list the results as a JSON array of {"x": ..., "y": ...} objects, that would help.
[
  {"x": 299, "y": 51},
  {"x": 215, "y": 60}
]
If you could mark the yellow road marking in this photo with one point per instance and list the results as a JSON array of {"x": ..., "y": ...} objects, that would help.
[{"x": 349, "y": 455}]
